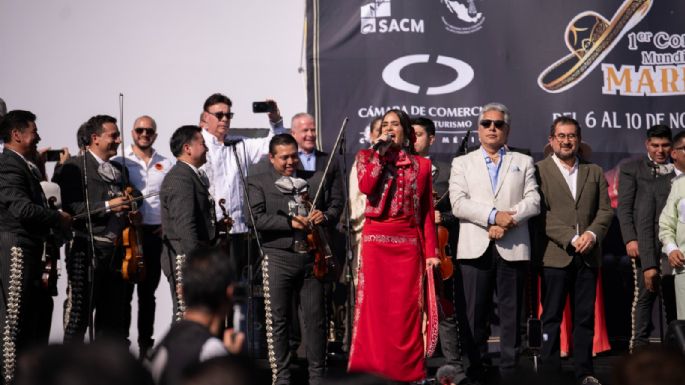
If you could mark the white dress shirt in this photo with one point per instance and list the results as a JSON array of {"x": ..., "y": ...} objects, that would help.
[
  {"x": 222, "y": 171},
  {"x": 147, "y": 178},
  {"x": 571, "y": 178},
  {"x": 570, "y": 175}
]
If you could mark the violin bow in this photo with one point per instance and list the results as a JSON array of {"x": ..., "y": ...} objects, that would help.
[{"x": 330, "y": 160}]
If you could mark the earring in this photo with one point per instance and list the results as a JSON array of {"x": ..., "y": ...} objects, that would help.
[{"x": 406, "y": 143}]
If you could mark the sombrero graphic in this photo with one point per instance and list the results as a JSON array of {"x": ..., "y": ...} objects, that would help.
[{"x": 590, "y": 37}]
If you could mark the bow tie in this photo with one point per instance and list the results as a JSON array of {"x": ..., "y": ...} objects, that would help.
[
  {"x": 291, "y": 185},
  {"x": 203, "y": 177},
  {"x": 661, "y": 169},
  {"x": 35, "y": 171},
  {"x": 109, "y": 173}
]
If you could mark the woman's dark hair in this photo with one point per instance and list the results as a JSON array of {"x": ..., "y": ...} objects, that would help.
[{"x": 407, "y": 129}]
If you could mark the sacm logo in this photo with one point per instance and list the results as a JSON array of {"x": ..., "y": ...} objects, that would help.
[
  {"x": 392, "y": 74},
  {"x": 376, "y": 18}
]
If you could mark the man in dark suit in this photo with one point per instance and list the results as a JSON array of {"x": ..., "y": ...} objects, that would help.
[
  {"x": 109, "y": 292},
  {"x": 303, "y": 129},
  {"x": 25, "y": 224},
  {"x": 576, "y": 213},
  {"x": 634, "y": 179},
  {"x": 424, "y": 129},
  {"x": 188, "y": 218},
  {"x": 652, "y": 200},
  {"x": 288, "y": 271}
]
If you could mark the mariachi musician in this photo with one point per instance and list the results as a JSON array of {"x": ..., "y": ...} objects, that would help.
[
  {"x": 187, "y": 208},
  {"x": 25, "y": 224},
  {"x": 288, "y": 268},
  {"x": 95, "y": 256}
]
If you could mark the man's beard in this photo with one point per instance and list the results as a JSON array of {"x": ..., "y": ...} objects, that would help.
[
  {"x": 143, "y": 146},
  {"x": 562, "y": 156}
]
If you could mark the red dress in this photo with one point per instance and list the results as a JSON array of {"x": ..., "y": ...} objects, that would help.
[{"x": 397, "y": 237}]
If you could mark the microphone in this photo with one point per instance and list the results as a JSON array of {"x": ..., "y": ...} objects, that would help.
[
  {"x": 446, "y": 375},
  {"x": 231, "y": 142},
  {"x": 380, "y": 142}
]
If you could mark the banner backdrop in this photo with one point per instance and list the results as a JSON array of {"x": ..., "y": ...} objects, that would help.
[{"x": 617, "y": 66}]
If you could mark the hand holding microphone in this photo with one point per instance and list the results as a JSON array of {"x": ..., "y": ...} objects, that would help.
[{"x": 383, "y": 143}]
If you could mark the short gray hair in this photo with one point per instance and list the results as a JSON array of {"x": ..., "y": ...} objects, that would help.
[
  {"x": 496, "y": 107},
  {"x": 298, "y": 116},
  {"x": 3, "y": 108}
]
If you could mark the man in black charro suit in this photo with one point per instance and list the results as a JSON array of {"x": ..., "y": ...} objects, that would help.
[
  {"x": 25, "y": 224},
  {"x": 111, "y": 295},
  {"x": 188, "y": 218},
  {"x": 287, "y": 270}
]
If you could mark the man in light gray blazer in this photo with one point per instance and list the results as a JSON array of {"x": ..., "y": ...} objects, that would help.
[{"x": 493, "y": 193}]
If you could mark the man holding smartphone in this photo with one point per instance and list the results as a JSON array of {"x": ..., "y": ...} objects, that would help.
[{"x": 223, "y": 171}]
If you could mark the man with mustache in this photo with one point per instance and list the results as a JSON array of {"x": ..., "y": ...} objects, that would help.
[
  {"x": 575, "y": 215},
  {"x": 25, "y": 224}
]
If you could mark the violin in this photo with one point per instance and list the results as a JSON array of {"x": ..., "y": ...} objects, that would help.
[
  {"x": 227, "y": 222},
  {"x": 325, "y": 265},
  {"x": 133, "y": 264},
  {"x": 444, "y": 249}
]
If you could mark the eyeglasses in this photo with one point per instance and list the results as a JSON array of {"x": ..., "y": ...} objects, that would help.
[
  {"x": 147, "y": 130},
  {"x": 220, "y": 115},
  {"x": 570, "y": 137},
  {"x": 682, "y": 148},
  {"x": 487, "y": 122}
]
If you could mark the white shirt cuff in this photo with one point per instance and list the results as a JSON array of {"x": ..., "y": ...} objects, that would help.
[
  {"x": 107, "y": 210},
  {"x": 670, "y": 247}
]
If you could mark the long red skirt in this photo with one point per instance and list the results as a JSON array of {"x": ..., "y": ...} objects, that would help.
[{"x": 387, "y": 338}]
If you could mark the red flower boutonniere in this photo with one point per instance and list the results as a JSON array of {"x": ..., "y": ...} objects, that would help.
[{"x": 159, "y": 167}]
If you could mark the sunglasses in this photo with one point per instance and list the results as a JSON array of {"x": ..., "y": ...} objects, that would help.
[
  {"x": 220, "y": 115},
  {"x": 147, "y": 130},
  {"x": 487, "y": 122}
]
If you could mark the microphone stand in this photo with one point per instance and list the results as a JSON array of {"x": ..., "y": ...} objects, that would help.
[
  {"x": 349, "y": 254},
  {"x": 93, "y": 259},
  {"x": 250, "y": 273}
]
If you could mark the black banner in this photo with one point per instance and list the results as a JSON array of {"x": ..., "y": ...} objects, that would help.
[{"x": 617, "y": 66}]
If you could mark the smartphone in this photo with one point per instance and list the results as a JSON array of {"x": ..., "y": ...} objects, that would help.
[
  {"x": 260, "y": 107},
  {"x": 534, "y": 333},
  {"x": 53, "y": 155},
  {"x": 238, "y": 318}
]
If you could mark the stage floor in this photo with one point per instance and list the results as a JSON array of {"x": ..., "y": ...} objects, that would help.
[{"x": 337, "y": 364}]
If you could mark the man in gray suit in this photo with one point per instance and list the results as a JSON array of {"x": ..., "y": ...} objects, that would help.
[
  {"x": 188, "y": 218},
  {"x": 493, "y": 193},
  {"x": 288, "y": 270},
  {"x": 576, "y": 213}
]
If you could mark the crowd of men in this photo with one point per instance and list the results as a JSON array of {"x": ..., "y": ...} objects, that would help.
[{"x": 190, "y": 217}]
